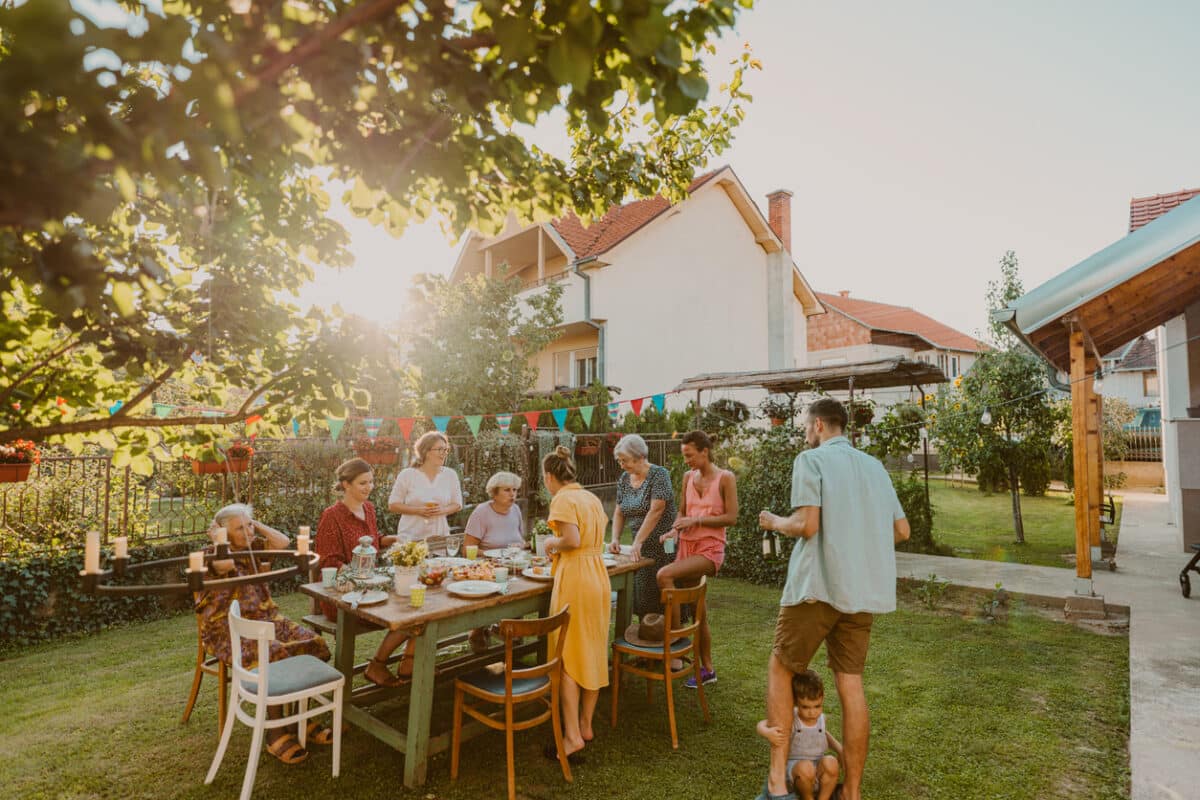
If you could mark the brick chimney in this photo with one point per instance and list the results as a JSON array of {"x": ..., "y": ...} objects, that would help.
[
  {"x": 779, "y": 215},
  {"x": 844, "y": 293}
]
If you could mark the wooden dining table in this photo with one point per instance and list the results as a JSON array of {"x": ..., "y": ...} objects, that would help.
[{"x": 441, "y": 616}]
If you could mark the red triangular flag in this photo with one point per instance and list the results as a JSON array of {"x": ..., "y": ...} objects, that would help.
[
  {"x": 406, "y": 426},
  {"x": 637, "y": 405},
  {"x": 531, "y": 419}
]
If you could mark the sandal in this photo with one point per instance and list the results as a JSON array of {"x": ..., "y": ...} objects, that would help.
[
  {"x": 319, "y": 733},
  {"x": 400, "y": 671},
  {"x": 390, "y": 682},
  {"x": 287, "y": 749}
]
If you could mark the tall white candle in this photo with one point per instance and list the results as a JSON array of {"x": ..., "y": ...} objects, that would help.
[
  {"x": 220, "y": 536},
  {"x": 302, "y": 544},
  {"x": 305, "y": 530},
  {"x": 121, "y": 547},
  {"x": 196, "y": 561},
  {"x": 91, "y": 552}
]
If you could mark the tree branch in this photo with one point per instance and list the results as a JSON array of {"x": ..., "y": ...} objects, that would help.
[
  {"x": 71, "y": 343},
  {"x": 146, "y": 391}
]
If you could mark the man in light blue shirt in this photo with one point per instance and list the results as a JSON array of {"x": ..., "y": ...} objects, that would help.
[{"x": 842, "y": 571}]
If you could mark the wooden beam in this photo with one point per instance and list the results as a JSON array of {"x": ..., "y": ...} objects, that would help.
[
  {"x": 541, "y": 254},
  {"x": 1080, "y": 382},
  {"x": 1095, "y": 454}
]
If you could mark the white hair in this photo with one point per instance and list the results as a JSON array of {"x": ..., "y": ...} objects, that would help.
[
  {"x": 503, "y": 480},
  {"x": 230, "y": 511},
  {"x": 632, "y": 445}
]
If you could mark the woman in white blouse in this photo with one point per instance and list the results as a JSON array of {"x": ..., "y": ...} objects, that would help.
[{"x": 427, "y": 492}]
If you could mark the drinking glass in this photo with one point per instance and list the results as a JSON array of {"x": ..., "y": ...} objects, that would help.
[{"x": 453, "y": 543}]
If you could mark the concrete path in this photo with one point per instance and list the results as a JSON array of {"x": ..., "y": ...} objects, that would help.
[{"x": 1164, "y": 637}]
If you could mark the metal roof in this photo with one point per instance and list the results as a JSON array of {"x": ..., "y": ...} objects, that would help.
[{"x": 877, "y": 374}]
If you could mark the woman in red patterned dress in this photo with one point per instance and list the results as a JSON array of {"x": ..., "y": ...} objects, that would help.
[{"x": 338, "y": 532}]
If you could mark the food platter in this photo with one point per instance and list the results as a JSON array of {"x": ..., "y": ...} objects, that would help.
[
  {"x": 473, "y": 589},
  {"x": 534, "y": 574},
  {"x": 452, "y": 562}
]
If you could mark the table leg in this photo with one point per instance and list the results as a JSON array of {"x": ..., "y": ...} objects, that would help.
[
  {"x": 420, "y": 706},
  {"x": 624, "y": 596},
  {"x": 343, "y": 648}
]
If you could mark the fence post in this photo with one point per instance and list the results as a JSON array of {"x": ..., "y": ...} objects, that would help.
[
  {"x": 125, "y": 505},
  {"x": 107, "y": 495}
]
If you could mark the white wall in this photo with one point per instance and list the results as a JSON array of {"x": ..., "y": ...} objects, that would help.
[
  {"x": 683, "y": 296},
  {"x": 799, "y": 334},
  {"x": 1130, "y": 387},
  {"x": 1173, "y": 389}
]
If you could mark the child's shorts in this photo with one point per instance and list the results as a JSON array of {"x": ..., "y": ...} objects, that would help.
[{"x": 816, "y": 762}]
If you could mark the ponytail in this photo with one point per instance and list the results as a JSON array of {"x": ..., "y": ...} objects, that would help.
[{"x": 560, "y": 465}]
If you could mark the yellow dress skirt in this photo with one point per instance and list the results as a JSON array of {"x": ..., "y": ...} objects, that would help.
[{"x": 581, "y": 581}]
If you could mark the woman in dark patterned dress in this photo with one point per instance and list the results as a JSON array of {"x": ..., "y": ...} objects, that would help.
[
  {"x": 212, "y": 606},
  {"x": 646, "y": 501}
]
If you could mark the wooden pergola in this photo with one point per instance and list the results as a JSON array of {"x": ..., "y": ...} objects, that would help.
[{"x": 1128, "y": 288}]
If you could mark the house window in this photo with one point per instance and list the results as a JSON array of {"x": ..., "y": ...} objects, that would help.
[
  {"x": 953, "y": 366},
  {"x": 941, "y": 362},
  {"x": 576, "y": 368},
  {"x": 1150, "y": 384}
]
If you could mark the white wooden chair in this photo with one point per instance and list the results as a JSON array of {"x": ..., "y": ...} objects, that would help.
[{"x": 291, "y": 680}]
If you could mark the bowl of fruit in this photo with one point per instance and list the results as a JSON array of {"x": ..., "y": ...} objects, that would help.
[{"x": 432, "y": 572}]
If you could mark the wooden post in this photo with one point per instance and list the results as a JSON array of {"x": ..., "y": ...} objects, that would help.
[
  {"x": 487, "y": 262},
  {"x": 1096, "y": 457},
  {"x": 1081, "y": 384}
]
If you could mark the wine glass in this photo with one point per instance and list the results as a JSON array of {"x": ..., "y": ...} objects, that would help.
[{"x": 453, "y": 543}]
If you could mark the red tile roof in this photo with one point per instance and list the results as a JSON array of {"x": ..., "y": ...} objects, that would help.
[
  {"x": 617, "y": 225},
  {"x": 1146, "y": 209},
  {"x": 901, "y": 319}
]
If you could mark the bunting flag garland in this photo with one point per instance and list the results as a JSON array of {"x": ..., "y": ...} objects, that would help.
[
  {"x": 295, "y": 427},
  {"x": 335, "y": 427},
  {"x": 586, "y": 413},
  {"x": 504, "y": 420},
  {"x": 660, "y": 402},
  {"x": 560, "y": 417},
  {"x": 614, "y": 412},
  {"x": 196, "y": 357},
  {"x": 161, "y": 410},
  {"x": 210, "y": 413},
  {"x": 254, "y": 419},
  {"x": 440, "y": 423},
  {"x": 406, "y": 425},
  {"x": 473, "y": 422},
  {"x": 531, "y": 419},
  {"x": 636, "y": 405},
  {"x": 372, "y": 425},
  {"x": 115, "y": 407}
]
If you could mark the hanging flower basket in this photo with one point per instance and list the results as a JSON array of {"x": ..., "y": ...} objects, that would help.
[
  {"x": 381, "y": 450},
  {"x": 587, "y": 446},
  {"x": 777, "y": 421},
  {"x": 238, "y": 464},
  {"x": 207, "y": 467},
  {"x": 14, "y": 473}
]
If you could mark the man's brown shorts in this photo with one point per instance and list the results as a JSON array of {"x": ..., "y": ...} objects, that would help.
[{"x": 801, "y": 628}]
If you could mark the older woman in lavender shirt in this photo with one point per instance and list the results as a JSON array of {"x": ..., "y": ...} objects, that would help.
[{"x": 498, "y": 522}]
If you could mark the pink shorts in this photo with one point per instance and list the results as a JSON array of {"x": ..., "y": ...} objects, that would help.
[{"x": 710, "y": 547}]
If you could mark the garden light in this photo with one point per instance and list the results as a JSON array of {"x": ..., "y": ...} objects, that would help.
[
  {"x": 986, "y": 417},
  {"x": 1098, "y": 383}
]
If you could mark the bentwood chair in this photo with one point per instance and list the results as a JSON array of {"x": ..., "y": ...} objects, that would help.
[
  {"x": 682, "y": 647},
  {"x": 515, "y": 687},
  {"x": 297, "y": 679},
  {"x": 207, "y": 665}
]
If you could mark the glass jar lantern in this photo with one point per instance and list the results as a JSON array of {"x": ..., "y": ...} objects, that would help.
[{"x": 362, "y": 559}]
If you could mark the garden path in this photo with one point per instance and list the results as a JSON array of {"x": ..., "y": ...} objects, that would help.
[{"x": 1164, "y": 636}]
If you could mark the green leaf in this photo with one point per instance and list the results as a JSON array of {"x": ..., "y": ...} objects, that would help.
[
  {"x": 693, "y": 85},
  {"x": 122, "y": 295},
  {"x": 569, "y": 63}
]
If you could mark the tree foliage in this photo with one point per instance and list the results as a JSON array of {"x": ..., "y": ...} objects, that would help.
[
  {"x": 1000, "y": 293},
  {"x": 162, "y": 173}
]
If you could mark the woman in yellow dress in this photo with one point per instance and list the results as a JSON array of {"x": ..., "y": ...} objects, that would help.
[{"x": 581, "y": 582}]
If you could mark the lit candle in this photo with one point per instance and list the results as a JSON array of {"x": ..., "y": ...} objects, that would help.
[
  {"x": 196, "y": 561},
  {"x": 121, "y": 547},
  {"x": 305, "y": 530},
  {"x": 220, "y": 536},
  {"x": 302, "y": 543},
  {"x": 91, "y": 553}
]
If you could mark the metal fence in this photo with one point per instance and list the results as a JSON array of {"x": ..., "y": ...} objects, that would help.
[
  {"x": 289, "y": 481},
  {"x": 1144, "y": 444}
]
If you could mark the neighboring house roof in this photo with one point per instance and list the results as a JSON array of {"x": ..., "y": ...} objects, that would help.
[
  {"x": 1145, "y": 209},
  {"x": 618, "y": 224},
  {"x": 902, "y": 319},
  {"x": 1140, "y": 355}
]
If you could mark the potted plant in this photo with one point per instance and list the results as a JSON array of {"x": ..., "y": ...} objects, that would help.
[
  {"x": 380, "y": 450},
  {"x": 237, "y": 456},
  {"x": 16, "y": 459},
  {"x": 861, "y": 412},
  {"x": 776, "y": 408},
  {"x": 587, "y": 445},
  {"x": 209, "y": 461},
  {"x": 611, "y": 438}
]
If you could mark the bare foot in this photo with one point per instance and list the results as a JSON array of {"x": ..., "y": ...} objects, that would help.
[
  {"x": 585, "y": 730},
  {"x": 378, "y": 674},
  {"x": 572, "y": 745}
]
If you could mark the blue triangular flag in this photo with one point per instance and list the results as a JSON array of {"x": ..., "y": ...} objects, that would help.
[
  {"x": 659, "y": 401},
  {"x": 335, "y": 427},
  {"x": 560, "y": 417},
  {"x": 372, "y": 425},
  {"x": 440, "y": 423},
  {"x": 295, "y": 427}
]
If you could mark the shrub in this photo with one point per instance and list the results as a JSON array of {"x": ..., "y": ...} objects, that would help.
[{"x": 910, "y": 489}]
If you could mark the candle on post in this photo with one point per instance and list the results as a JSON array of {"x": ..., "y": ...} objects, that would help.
[
  {"x": 220, "y": 536},
  {"x": 302, "y": 544},
  {"x": 91, "y": 552},
  {"x": 121, "y": 547},
  {"x": 196, "y": 561}
]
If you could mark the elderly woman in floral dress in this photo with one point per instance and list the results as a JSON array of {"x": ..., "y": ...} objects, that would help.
[{"x": 212, "y": 605}]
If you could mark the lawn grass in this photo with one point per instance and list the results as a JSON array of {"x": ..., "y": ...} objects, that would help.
[
  {"x": 961, "y": 709},
  {"x": 978, "y": 525}
]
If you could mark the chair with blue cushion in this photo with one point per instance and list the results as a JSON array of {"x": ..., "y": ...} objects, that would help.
[
  {"x": 513, "y": 688},
  {"x": 297, "y": 679},
  {"x": 683, "y": 647}
]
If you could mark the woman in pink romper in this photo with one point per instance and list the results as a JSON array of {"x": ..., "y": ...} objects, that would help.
[{"x": 709, "y": 506}]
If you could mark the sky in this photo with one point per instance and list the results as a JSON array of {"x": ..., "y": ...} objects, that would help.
[{"x": 922, "y": 140}]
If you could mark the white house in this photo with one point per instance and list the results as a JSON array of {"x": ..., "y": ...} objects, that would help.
[
  {"x": 654, "y": 293},
  {"x": 1131, "y": 373}
]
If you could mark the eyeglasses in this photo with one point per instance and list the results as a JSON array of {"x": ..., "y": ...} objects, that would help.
[{"x": 439, "y": 450}]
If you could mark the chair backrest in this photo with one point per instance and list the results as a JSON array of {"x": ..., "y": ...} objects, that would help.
[
  {"x": 263, "y": 633},
  {"x": 672, "y": 599},
  {"x": 512, "y": 629}
]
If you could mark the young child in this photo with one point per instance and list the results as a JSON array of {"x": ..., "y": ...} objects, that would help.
[{"x": 812, "y": 773}]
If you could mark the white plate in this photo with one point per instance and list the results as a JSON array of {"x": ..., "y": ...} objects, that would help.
[
  {"x": 534, "y": 576},
  {"x": 626, "y": 549},
  {"x": 500, "y": 552},
  {"x": 473, "y": 588},
  {"x": 452, "y": 562},
  {"x": 609, "y": 559},
  {"x": 368, "y": 598}
]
